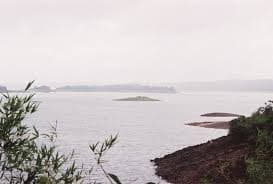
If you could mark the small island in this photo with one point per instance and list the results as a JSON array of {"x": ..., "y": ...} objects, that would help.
[
  {"x": 221, "y": 114},
  {"x": 138, "y": 98}
]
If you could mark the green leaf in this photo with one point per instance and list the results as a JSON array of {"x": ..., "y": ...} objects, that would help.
[
  {"x": 115, "y": 178},
  {"x": 6, "y": 95},
  {"x": 29, "y": 85}
]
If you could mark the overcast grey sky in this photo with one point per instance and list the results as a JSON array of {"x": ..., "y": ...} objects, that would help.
[{"x": 104, "y": 41}]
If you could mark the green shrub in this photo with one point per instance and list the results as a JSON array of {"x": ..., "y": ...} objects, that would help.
[
  {"x": 246, "y": 127},
  {"x": 260, "y": 167},
  {"x": 44, "y": 180},
  {"x": 259, "y": 171},
  {"x": 26, "y": 155},
  {"x": 264, "y": 144},
  {"x": 205, "y": 180},
  {"x": 258, "y": 131}
]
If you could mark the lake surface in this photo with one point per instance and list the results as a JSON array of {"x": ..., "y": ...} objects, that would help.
[{"x": 146, "y": 129}]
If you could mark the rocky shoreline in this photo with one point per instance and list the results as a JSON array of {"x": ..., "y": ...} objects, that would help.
[{"x": 193, "y": 164}]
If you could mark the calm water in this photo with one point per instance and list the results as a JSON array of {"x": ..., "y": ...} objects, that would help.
[{"x": 146, "y": 129}]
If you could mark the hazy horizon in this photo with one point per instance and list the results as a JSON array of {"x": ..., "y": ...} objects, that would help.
[
  {"x": 151, "y": 42},
  {"x": 225, "y": 85}
]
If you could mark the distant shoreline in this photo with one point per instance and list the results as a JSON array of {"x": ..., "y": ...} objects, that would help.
[{"x": 123, "y": 88}]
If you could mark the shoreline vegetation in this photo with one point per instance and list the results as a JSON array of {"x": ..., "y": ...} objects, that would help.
[{"x": 137, "y": 99}]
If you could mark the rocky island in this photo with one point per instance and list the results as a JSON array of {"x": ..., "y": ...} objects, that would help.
[{"x": 138, "y": 98}]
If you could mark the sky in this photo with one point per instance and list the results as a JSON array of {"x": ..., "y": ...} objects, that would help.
[{"x": 57, "y": 42}]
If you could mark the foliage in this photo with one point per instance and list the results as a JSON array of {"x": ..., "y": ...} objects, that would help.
[
  {"x": 264, "y": 144},
  {"x": 259, "y": 171},
  {"x": 260, "y": 167},
  {"x": 241, "y": 128},
  {"x": 99, "y": 150},
  {"x": 26, "y": 155},
  {"x": 247, "y": 126},
  {"x": 257, "y": 129},
  {"x": 206, "y": 180}
]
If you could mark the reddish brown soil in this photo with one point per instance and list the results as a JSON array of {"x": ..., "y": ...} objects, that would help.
[
  {"x": 215, "y": 124},
  {"x": 209, "y": 160}
]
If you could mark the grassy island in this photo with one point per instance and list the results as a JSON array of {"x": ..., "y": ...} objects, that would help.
[{"x": 138, "y": 98}]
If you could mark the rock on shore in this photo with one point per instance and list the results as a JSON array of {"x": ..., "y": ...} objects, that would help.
[{"x": 193, "y": 165}]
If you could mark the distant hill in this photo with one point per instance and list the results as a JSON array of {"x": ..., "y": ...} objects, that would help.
[
  {"x": 228, "y": 85},
  {"x": 3, "y": 89},
  {"x": 117, "y": 88},
  {"x": 44, "y": 89}
]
